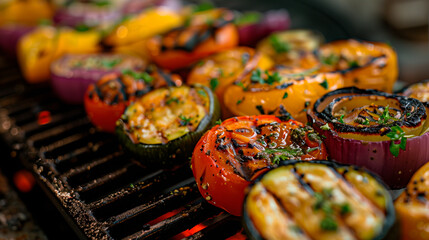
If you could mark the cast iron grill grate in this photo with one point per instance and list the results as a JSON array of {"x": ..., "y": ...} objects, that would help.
[{"x": 101, "y": 191}]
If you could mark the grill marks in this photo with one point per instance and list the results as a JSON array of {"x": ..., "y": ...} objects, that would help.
[{"x": 293, "y": 188}]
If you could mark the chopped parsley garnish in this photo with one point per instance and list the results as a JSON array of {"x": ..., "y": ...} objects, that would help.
[
  {"x": 341, "y": 119},
  {"x": 385, "y": 116},
  {"x": 110, "y": 63},
  {"x": 240, "y": 84},
  {"x": 203, "y": 7},
  {"x": 271, "y": 78},
  {"x": 366, "y": 121},
  {"x": 184, "y": 121},
  {"x": 240, "y": 101},
  {"x": 260, "y": 109},
  {"x": 312, "y": 149},
  {"x": 202, "y": 92},
  {"x": 324, "y": 84},
  {"x": 345, "y": 209},
  {"x": 136, "y": 75},
  {"x": 397, "y": 134},
  {"x": 214, "y": 82},
  {"x": 328, "y": 223},
  {"x": 248, "y": 18},
  {"x": 278, "y": 45},
  {"x": 82, "y": 28},
  {"x": 332, "y": 59},
  {"x": 285, "y": 95},
  {"x": 219, "y": 122},
  {"x": 173, "y": 99},
  {"x": 353, "y": 64},
  {"x": 281, "y": 154}
]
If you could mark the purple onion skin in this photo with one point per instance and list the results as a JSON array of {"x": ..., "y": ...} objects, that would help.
[
  {"x": 71, "y": 85},
  {"x": 65, "y": 17},
  {"x": 136, "y": 6},
  {"x": 376, "y": 156},
  {"x": 272, "y": 21},
  {"x": 72, "y": 89},
  {"x": 10, "y": 35}
]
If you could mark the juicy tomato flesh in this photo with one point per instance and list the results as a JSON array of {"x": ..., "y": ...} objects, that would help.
[{"x": 230, "y": 155}]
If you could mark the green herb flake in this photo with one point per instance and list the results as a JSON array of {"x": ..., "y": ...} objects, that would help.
[
  {"x": 366, "y": 121},
  {"x": 82, "y": 28},
  {"x": 324, "y": 84},
  {"x": 397, "y": 134},
  {"x": 203, "y": 7},
  {"x": 248, "y": 18},
  {"x": 173, "y": 99},
  {"x": 239, "y": 101},
  {"x": 214, "y": 82},
  {"x": 256, "y": 76},
  {"x": 110, "y": 63},
  {"x": 328, "y": 223},
  {"x": 184, "y": 121},
  {"x": 275, "y": 77},
  {"x": 240, "y": 84},
  {"x": 312, "y": 149},
  {"x": 285, "y": 95},
  {"x": 341, "y": 119},
  {"x": 353, "y": 64},
  {"x": 345, "y": 209},
  {"x": 202, "y": 92},
  {"x": 219, "y": 122},
  {"x": 331, "y": 59},
  {"x": 278, "y": 45},
  {"x": 325, "y": 127},
  {"x": 282, "y": 154}
]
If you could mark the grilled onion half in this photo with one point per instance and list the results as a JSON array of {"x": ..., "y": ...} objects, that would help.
[
  {"x": 412, "y": 207},
  {"x": 385, "y": 133},
  {"x": 162, "y": 127},
  {"x": 418, "y": 91},
  {"x": 317, "y": 200}
]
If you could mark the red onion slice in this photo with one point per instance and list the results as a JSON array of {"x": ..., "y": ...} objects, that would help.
[
  {"x": 72, "y": 74},
  {"x": 10, "y": 35}
]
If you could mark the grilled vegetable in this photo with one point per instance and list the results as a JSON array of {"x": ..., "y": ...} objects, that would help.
[
  {"x": 317, "y": 200},
  {"x": 194, "y": 42},
  {"x": 231, "y": 154},
  {"x": 163, "y": 126},
  {"x": 418, "y": 91},
  {"x": 412, "y": 207},
  {"x": 28, "y": 12},
  {"x": 72, "y": 74},
  {"x": 389, "y": 132},
  {"x": 363, "y": 64},
  {"x": 287, "y": 47},
  {"x": 253, "y": 26},
  {"x": 279, "y": 92},
  {"x": 88, "y": 14},
  {"x": 106, "y": 100},
  {"x": 10, "y": 35},
  {"x": 147, "y": 24},
  {"x": 38, "y": 49},
  {"x": 222, "y": 69}
]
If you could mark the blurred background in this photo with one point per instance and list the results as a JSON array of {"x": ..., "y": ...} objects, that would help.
[{"x": 401, "y": 23}]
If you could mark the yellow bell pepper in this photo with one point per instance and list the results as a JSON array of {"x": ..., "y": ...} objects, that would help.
[
  {"x": 149, "y": 23},
  {"x": 28, "y": 12},
  {"x": 38, "y": 49}
]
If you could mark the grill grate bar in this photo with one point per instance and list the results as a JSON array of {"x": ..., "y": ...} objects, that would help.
[
  {"x": 60, "y": 143},
  {"x": 229, "y": 224},
  {"x": 159, "y": 202},
  {"x": 195, "y": 213},
  {"x": 103, "y": 180},
  {"x": 33, "y": 140},
  {"x": 74, "y": 171}
]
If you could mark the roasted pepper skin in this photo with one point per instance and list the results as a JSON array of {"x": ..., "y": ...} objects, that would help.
[
  {"x": 29, "y": 12},
  {"x": 38, "y": 49}
]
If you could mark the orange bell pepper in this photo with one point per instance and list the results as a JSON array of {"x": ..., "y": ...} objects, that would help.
[
  {"x": 222, "y": 69},
  {"x": 180, "y": 48},
  {"x": 287, "y": 47},
  {"x": 38, "y": 49},
  {"x": 412, "y": 207},
  {"x": 279, "y": 92},
  {"x": 147, "y": 24},
  {"x": 367, "y": 65},
  {"x": 28, "y": 12}
]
